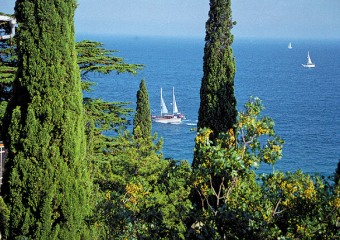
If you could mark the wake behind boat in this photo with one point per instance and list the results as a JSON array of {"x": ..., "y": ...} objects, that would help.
[
  {"x": 174, "y": 118},
  {"x": 309, "y": 64}
]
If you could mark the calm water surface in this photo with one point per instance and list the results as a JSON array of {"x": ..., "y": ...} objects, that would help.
[{"x": 304, "y": 103}]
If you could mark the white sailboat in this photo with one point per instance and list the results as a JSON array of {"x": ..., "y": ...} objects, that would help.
[
  {"x": 165, "y": 117},
  {"x": 290, "y": 46},
  {"x": 309, "y": 64}
]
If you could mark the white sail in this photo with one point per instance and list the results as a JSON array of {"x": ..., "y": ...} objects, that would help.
[
  {"x": 165, "y": 117},
  {"x": 309, "y": 61},
  {"x": 309, "y": 64},
  {"x": 290, "y": 46},
  {"x": 164, "y": 109},
  {"x": 174, "y": 104}
]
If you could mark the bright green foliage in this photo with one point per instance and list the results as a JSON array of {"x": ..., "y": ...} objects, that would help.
[
  {"x": 302, "y": 207},
  {"x": 142, "y": 118},
  {"x": 138, "y": 194},
  {"x": 47, "y": 185},
  {"x": 144, "y": 196},
  {"x": 242, "y": 206},
  {"x": 101, "y": 116},
  {"x": 218, "y": 104},
  {"x": 232, "y": 159}
]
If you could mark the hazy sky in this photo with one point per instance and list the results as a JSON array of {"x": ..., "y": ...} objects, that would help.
[{"x": 255, "y": 18}]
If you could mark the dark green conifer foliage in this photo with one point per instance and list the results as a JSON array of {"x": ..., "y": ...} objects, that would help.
[
  {"x": 217, "y": 100},
  {"x": 142, "y": 118},
  {"x": 218, "y": 104},
  {"x": 47, "y": 185}
]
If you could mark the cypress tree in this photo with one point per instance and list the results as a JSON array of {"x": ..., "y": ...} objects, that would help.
[
  {"x": 142, "y": 118},
  {"x": 218, "y": 104},
  {"x": 46, "y": 185},
  {"x": 217, "y": 100}
]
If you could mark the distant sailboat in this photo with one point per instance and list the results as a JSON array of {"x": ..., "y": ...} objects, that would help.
[
  {"x": 290, "y": 46},
  {"x": 165, "y": 117},
  {"x": 309, "y": 64}
]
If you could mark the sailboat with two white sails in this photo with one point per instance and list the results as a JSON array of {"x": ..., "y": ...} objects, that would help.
[{"x": 174, "y": 118}]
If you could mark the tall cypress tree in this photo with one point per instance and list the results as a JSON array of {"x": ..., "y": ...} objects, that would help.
[
  {"x": 46, "y": 185},
  {"x": 142, "y": 118},
  {"x": 218, "y": 104}
]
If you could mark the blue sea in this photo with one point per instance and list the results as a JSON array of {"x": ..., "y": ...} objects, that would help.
[{"x": 304, "y": 103}]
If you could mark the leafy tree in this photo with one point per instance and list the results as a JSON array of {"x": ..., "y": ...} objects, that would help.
[
  {"x": 143, "y": 195},
  {"x": 218, "y": 104},
  {"x": 47, "y": 185},
  {"x": 225, "y": 208},
  {"x": 142, "y": 117},
  {"x": 301, "y": 207},
  {"x": 245, "y": 206}
]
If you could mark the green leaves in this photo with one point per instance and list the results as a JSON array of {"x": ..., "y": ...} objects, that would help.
[
  {"x": 145, "y": 195},
  {"x": 224, "y": 178},
  {"x": 237, "y": 204},
  {"x": 92, "y": 57},
  {"x": 302, "y": 205}
]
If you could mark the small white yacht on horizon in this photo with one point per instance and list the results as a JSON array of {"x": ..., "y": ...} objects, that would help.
[{"x": 309, "y": 64}]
